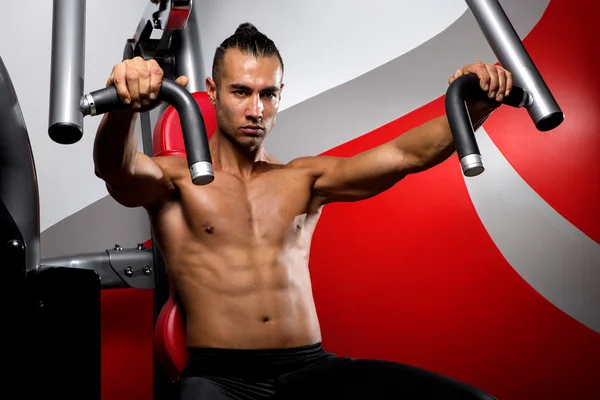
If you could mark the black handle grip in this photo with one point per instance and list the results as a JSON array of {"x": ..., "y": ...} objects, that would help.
[
  {"x": 463, "y": 89},
  {"x": 192, "y": 123}
]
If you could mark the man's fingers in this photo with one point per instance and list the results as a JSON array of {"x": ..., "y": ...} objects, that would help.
[
  {"x": 482, "y": 73},
  {"x": 493, "y": 73},
  {"x": 501, "y": 84},
  {"x": 156, "y": 76},
  {"x": 509, "y": 82},
  {"x": 133, "y": 86},
  {"x": 118, "y": 79},
  {"x": 496, "y": 81},
  {"x": 111, "y": 78},
  {"x": 137, "y": 81},
  {"x": 182, "y": 81},
  {"x": 143, "y": 80},
  {"x": 459, "y": 72}
]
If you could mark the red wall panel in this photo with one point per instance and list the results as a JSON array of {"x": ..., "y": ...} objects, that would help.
[{"x": 412, "y": 276}]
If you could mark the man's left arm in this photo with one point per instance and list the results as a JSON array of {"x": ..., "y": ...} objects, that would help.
[{"x": 378, "y": 169}]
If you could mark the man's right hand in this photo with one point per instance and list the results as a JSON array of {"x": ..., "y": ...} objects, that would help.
[{"x": 138, "y": 81}]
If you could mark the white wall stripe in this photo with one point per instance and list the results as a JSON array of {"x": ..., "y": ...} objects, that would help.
[{"x": 552, "y": 255}]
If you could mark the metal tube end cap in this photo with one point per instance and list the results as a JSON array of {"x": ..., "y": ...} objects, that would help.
[
  {"x": 472, "y": 165},
  {"x": 202, "y": 173}
]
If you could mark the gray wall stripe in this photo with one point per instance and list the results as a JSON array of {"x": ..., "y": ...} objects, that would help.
[
  {"x": 97, "y": 225},
  {"x": 95, "y": 228},
  {"x": 552, "y": 255}
]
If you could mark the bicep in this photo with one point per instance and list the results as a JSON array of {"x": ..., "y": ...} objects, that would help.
[
  {"x": 148, "y": 184},
  {"x": 361, "y": 176}
]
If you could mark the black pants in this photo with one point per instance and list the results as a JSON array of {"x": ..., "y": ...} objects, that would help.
[{"x": 309, "y": 372}]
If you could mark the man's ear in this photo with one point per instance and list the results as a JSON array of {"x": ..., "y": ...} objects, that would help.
[
  {"x": 281, "y": 90},
  {"x": 211, "y": 89}
]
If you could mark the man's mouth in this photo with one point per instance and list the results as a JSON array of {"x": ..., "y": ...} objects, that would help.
[{"x": 252, "y": 129}]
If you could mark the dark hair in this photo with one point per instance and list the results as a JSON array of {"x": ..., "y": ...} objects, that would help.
[{"x": 248, "y": 40}]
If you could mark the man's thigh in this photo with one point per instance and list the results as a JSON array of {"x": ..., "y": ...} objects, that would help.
[
  {"x": 346, "y": 378},
  {"x": 199, "y": 388},
  {"x": 226, "y": 388}
]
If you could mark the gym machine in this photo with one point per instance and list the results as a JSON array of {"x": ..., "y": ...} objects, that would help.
[
  {"x": 60, "y": 296},
  {"x": 54, "y": 303}
]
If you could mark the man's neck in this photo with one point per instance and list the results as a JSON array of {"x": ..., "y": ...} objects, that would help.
[{"x": 236, "y": 160}]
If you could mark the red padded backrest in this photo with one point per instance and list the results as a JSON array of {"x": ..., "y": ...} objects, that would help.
[
  {"x": 167, "y": 138},
  {"x": 169, "y": 331}
]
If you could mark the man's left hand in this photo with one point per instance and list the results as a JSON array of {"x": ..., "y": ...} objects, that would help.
[{"x": 496, "y": 81}]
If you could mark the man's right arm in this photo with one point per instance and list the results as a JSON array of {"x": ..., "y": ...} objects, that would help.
[{"x": 132, "y": 178}]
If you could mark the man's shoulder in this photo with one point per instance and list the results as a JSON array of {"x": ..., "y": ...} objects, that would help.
[
  {"x": 172, "y": 166},
  {"x": 311, "y": 162},
  {"x": 169, "y": 160},
  {"x": 301, "y": 162}
]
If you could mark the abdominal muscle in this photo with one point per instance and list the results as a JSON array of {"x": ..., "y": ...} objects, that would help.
[
  {"x": 237, "y": 252},
  {"x": 244, "y": 297}
]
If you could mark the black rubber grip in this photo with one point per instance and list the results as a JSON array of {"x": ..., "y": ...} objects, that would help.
[
  {"x": 463, "y": 89},
  {"x": 106, "y": 100},
  {"x": 458, "y": 114},
  {"x": 516, "y": 97},
  {"x": 192, "y": 123}
]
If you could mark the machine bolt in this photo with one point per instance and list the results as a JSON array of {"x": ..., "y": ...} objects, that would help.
[
  {"x": 129, "y": 271},
  {"x": 140, "y": 246},
  {"x": 147, "y": 270},
  {"x": 118, "y": 247}
]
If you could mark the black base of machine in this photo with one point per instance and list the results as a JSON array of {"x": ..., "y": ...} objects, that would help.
[{"x": 64, "y": 334}]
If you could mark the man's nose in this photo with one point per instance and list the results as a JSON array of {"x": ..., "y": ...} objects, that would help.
[{"x": 255, "y": 108}]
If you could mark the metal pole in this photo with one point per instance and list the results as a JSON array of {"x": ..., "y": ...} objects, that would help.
[
  {"x": 188, "y": 57},
  {"x": 67, "y": 71},
  {"x": 508, "y": 48}
]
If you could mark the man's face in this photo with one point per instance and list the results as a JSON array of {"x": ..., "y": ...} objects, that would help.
[{"x": 247, "y": 99}]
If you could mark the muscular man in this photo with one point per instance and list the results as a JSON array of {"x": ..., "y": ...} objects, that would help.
[{"x": 238, "y": 249}]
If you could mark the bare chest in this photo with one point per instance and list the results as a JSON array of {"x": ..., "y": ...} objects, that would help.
[{"x": 272, "y": 208}]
